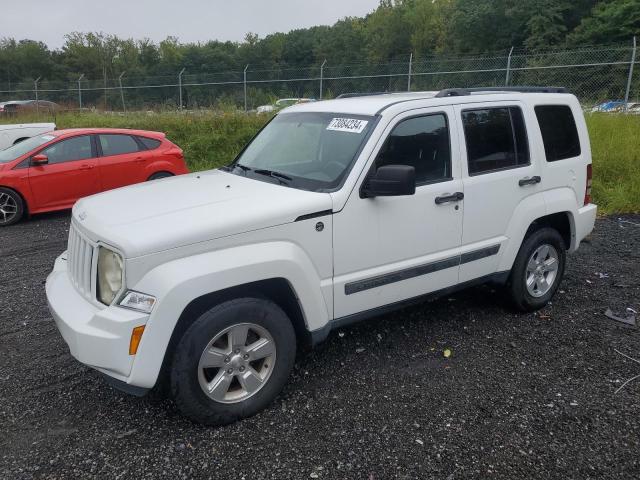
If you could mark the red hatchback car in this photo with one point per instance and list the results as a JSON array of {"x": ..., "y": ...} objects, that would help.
[{"x": 52, "y": 171}]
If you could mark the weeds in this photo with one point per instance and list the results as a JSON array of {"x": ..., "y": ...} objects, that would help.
[{"x": 210, "y": 140}]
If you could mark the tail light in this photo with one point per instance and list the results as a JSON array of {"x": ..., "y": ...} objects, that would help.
[{"x": 587, "y": 191}]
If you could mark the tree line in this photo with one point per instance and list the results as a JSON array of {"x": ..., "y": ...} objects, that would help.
[{"x": 394, "y": 29}]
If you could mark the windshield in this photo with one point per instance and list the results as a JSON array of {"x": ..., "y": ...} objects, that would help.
[
  {"x": 19, "y": 149},
  {"x": 310, "y": 151}
]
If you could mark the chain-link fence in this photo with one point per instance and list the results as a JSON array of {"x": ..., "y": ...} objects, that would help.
[{"x": 595, "y": 75}]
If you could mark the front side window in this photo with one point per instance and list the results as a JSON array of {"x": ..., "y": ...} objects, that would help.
[
  {"x": 559, "y": 132},
  {"x": 19, "y": 149},
  {"x": 422, "y": 143},
  {"x": 496, "y": 139},
  {"x": 117, "y": 145},
  {"x": 306, "y": 150},
  {"x": 69, "y": 150}
]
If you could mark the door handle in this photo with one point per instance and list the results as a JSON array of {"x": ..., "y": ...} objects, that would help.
[
  {"x": 447, "y": 198},
  {"x": 139, "y": 159},
  {"x": 529, "y": 180},
  {"x": 86, "y": 167}
]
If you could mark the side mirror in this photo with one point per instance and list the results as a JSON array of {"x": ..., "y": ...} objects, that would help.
[
  {"x": 391, "y": 181},
  {"x": 39, "y": 159}
]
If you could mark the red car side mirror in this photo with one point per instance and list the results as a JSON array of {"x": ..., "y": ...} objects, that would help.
[{"x": 39, "y": 159}]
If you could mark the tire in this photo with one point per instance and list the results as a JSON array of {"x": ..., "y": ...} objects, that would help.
[
  {"x": 159, "y": 175},
  {"x": 537, "y": 270},
  {"x": 11, "y": 207},
  {"x": 237, "y": 395}
]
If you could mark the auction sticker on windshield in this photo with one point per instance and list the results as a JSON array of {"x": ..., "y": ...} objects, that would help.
[{"x": 351, "y": 125}]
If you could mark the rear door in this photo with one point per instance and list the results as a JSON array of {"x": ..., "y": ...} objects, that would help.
[
  {"x": 71, "y": 173},
  {"x": 499, "y": 174},
  {"x": 122, "y": 160}
]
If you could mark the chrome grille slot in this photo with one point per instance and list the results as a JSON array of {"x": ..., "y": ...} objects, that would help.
[{"x": 80, "y": 259}]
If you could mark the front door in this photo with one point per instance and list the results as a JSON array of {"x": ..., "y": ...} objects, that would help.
[
  {"x": 70, "y": 173},
  {"x": 390, "y": 249}
]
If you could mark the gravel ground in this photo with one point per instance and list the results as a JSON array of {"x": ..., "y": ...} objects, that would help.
[{"x": 522, "y": 396}]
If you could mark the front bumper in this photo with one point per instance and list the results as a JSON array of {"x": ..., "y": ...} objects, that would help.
[{"x": 97, "y": 336}]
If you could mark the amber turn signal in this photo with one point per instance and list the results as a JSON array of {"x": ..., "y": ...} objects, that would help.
[{"x": 136, "y": 336}]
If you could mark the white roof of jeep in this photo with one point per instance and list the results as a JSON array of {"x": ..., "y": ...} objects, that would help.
[{"x": 372, "y": 104}]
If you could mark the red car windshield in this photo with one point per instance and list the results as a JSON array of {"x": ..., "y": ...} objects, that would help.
[{"x": 19, "y": 149}]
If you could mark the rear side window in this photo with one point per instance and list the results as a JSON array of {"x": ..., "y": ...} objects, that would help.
[
  {"x": 117, "y": 144},
  {"x": 150, "y": 143},
  {"x": 559, "y": 132},
  {"x": 423, "y": 143},
  {"x": 496, "y": 139}
]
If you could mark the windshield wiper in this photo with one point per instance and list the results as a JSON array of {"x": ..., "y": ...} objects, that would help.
[
  {"x": 242, "y": 167},
  {"x": 271, "y": 173}
]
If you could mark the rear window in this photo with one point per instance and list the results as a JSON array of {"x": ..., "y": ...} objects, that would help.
[
  {"x": 559, "y": 132},
  {"x": 118, "y": 144},
  {"x": 496, "y": 139},
  {"x": 150, "y": 143}
]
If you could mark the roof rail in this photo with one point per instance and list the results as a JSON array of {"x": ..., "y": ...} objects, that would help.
[
  {"x": 360, "y": 94},
  {"x": 458, "y": 92}
]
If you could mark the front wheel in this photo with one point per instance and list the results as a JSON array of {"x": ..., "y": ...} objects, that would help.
[
  {"x": 233, "y": 361},
  {"x": 11, "y": 207},
  {"x": 537, "y": 270}
]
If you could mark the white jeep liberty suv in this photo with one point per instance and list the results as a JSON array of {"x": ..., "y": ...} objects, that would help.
[{"x": 335, "y": 212}]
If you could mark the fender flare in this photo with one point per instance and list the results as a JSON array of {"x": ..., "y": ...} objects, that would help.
[
  {"x": 530, "y": 209},
  {"x": 176, "y": 283}
]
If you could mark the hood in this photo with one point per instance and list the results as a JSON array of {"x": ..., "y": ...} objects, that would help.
[{"x": 187, "y": 209}]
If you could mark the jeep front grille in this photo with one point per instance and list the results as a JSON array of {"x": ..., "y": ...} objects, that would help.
[{"x": 80, "y": 259}]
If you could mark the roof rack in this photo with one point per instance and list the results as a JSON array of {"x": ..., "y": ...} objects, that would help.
[{"x": 458, "y": 92}]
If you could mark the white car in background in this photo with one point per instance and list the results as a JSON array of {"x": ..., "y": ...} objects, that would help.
[
  {"x": 282, "y": 103},
  {"x": 12, "y": 134}
]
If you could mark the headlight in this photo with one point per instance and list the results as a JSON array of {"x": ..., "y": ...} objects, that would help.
[
  {"x": 109, "y": 275},
  {"x": 138, "y": 301}
]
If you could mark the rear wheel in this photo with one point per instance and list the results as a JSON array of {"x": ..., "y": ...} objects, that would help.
[
  {"x": 159, "y": 175},
  {"x": 233, "y": 361},
  {"x": 538, "y": 269},
  {"x": 11, "y": 207}
]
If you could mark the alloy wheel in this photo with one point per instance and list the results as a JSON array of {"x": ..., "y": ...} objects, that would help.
[
  {"x": 542, "y": 270},
  {"x": 8, "y": 208},
  {"x": 237, "y": 363}
]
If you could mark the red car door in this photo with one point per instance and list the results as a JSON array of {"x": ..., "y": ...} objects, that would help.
[
  {"x": 122, "y": 160},
  {"x": 70, "y": 173}
]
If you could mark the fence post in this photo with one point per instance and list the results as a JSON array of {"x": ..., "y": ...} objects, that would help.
[
  {"x": 180, "y": 86},
  {"x": 322, "y": 76},
  {"x": 245, "y": 87},
  {"x": 124, "y": 107},
  {"x": 506, "y": 80},
  {"x": 35, "y": 85},
  {"x": 633, "y": 60},
  {"x": 80, "y": 92},
  {"x": 410, "y": 68}
]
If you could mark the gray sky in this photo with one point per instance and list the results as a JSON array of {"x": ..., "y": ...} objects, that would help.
[{"x": 189, "y": 20}]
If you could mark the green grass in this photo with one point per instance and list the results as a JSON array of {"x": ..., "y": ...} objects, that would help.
[
  {"x": 615, "y": 147},
  {"x": 211, "y": 140}
]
